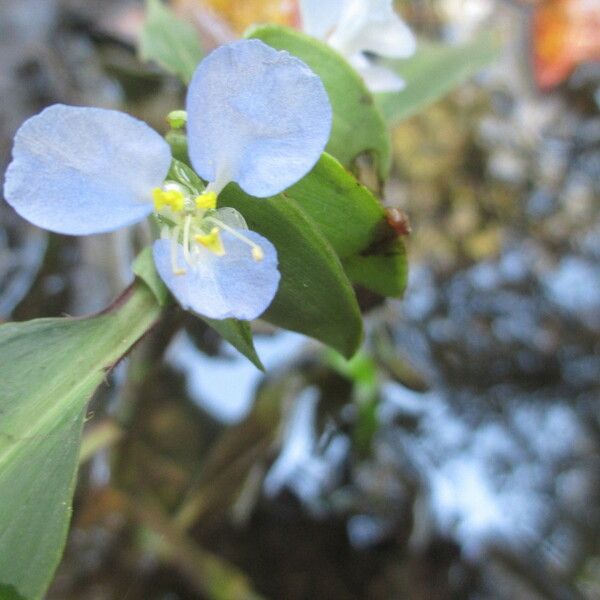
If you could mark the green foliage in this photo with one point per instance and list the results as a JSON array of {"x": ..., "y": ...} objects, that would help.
[
  {"x": 239, "y": 335},
  {"x": 169, "y": 41},
  {"x": 8, "y": 592},
  {"x": 382, "y": 269},
  {"x": 347, "y": 213},
  {"x": 361, "y": 369},
  {"x": 314, "y": 297},
  {"x": 353, "y": 222},
  {"x": 358, "y": 125},
  {"x": 143, "y": 267},
  {"x": 433, "y": 71},
  {"x": 49, "y": 370}
]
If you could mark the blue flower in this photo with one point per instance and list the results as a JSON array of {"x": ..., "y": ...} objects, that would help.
[{"x": 256, "y": 116}]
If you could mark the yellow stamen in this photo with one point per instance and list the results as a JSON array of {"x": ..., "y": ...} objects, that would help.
[
  {"x": 207, "y": 200},
  {"x": 257, "y": 253},
  {"x": 174, "y": 199},
  {"x": 212, "y": 241}
]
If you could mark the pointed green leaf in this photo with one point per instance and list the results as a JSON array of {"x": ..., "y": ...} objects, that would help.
[
  {"x": 358, "y": 125},
  {"x": 433, "y": 71},
  {"x": 239, "y": 335},
  {"x": 314, "y": 297},
  {"x": 48, "y": 370},
  {"x": 353, "y": 221},
  {"x": 169, "y": 41}
]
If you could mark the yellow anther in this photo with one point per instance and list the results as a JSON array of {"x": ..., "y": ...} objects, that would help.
[
  {"x": 207, "y": 200},
  {"x": 257, "y": 253},
  {"x": 212, "y": 241},
  {"x": 174, "y": 199}
]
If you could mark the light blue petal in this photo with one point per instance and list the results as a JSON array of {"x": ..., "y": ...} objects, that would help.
[
  {"x": 256, "y": 116},
  {"x": 219, "y": 287},
  {"x": 85, "y": 170}
]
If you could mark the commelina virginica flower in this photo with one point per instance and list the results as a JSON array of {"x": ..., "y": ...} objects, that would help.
[
  {"x": 356, "y": 27},
  {"x": 256, "y": 116}
]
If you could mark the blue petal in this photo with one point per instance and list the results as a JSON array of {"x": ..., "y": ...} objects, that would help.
[
  {"x": 85, "y": 170},
  {"x": 219, "y": 287},
  {"x": 256, "y": 116}
]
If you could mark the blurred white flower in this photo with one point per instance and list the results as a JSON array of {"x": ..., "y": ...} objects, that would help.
[{"x": 356, "y": 27}]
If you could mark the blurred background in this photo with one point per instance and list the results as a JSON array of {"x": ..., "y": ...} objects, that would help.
[{"x": 458, "y": 455}]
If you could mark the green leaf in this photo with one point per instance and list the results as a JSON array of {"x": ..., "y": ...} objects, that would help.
[
  {"x": 347, "y": 213},
  {"x": 358, "y": 125},
  {"x": 8, "y": 592},
  {"x": 143, "y": 267},
  {"x": 48, "y": 371},
  {"x": 239, "y": 335},
  {"x": 433, "y": 71},
  {"x": 314, "y": 297},
  {"x": 171, "y": 42},
  {"x": 382, "y": 269},
  {"x": 353, "y": 221}
]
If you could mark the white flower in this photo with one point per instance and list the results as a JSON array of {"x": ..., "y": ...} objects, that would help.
[{"x": 354, "y": 27}]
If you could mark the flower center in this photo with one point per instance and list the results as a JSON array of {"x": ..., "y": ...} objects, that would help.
[{"x": 194, "y": 223}]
